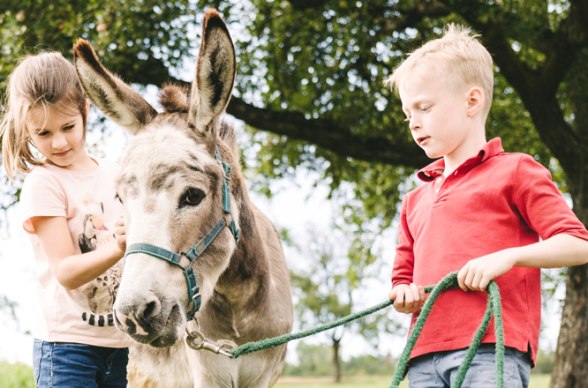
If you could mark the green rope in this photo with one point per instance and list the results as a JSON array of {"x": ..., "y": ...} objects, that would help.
[
  {"x": 448, "y": 282},
  {"x": 494, "y": 307},
  {"x": 276, "y": 341}
]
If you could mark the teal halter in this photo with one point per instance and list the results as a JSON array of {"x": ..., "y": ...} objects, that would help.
[{"x": 197, "y": 249}]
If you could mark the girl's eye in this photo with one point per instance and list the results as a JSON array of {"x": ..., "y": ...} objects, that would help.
[
  {"x": 426, "y": 108},
  {"x": 68, "y": 128},
  {"x": 42, "y": 133},
  {"x": 191, "y": 197},
  {"x": 118, "y": 198}
]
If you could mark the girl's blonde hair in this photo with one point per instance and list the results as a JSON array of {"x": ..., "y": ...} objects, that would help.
[
  {"x": 461, "y": 57},
  {"x": 46, "y": 80}
]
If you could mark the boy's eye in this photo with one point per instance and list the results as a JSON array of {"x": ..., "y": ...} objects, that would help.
[{"x": 426, "y": 108}]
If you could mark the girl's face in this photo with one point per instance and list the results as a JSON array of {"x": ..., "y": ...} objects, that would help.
[{"x": 58, "y": 134}]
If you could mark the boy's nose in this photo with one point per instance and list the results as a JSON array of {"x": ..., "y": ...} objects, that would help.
[{"x": 414, "y": 124}]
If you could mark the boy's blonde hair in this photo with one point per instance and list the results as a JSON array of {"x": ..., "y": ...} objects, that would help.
[
  {"x": 46, "y": 80},
  {"x": 459, "y": 54}
]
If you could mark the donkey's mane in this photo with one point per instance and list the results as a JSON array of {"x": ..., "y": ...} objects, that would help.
[{"x": 176, "y": 99}]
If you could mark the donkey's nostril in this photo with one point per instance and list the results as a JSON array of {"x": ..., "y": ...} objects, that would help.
[{"x": 149, "y": 310}]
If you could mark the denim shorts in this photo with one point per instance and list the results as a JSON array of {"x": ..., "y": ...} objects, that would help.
[
  {"x": 70, "y": 365},
  {"x": 440, "y": 369}
]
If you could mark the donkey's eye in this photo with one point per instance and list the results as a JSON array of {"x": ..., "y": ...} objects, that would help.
[{"x": 191, "y": 197}]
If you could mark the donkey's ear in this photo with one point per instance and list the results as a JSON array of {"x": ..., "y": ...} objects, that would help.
[
  {"x": 215, "y": 74},
  {"x": 111, "y": 95}
]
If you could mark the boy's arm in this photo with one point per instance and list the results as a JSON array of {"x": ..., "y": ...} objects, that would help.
[
  {"x": 407, "y": 296},
  {"x": 561, "y": 250}
]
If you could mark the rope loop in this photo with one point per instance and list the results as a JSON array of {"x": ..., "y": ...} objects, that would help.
[{"x": 494, "y": 308}]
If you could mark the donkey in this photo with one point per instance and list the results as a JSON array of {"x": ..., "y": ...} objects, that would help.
[{"x": 202, "y": 262}]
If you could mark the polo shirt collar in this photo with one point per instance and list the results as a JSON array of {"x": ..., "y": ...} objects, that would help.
[{"x": 435, "y": 169}]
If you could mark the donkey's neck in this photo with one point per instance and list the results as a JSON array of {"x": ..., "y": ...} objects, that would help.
[
  {"x": 247, "y": 273},
  {"x": 241, "y": 294}
]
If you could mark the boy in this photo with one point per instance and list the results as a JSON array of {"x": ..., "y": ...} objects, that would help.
[{"x": 488, "y": 214}]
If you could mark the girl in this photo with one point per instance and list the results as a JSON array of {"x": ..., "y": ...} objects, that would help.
[{"x": 70, "y": 211}]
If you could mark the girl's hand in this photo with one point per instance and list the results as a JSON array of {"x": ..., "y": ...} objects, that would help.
[
  {"x": 408, "y": 298},
  {"x": 120, "y": 234}
]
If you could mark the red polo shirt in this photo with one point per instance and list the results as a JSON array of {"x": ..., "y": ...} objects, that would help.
[{"x": 493, "y": 201}]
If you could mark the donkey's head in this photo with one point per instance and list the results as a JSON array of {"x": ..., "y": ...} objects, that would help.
[{"x": 179, "y": 177}]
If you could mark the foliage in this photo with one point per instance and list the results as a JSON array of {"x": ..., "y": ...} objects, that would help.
[
  {"x": 30, "y": 26},
  {"x": 315, "y": 360},
  {"x": 330, "y": 284},
  {"x": 7, "y": 307},
  {"x": 17, "y": 375},
  {"x": 544, "y": 362}
]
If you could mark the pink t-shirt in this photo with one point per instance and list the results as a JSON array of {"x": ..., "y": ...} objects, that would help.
[
  {"x": 493, "y": 201},
  {"x": 87, "y": 201}
]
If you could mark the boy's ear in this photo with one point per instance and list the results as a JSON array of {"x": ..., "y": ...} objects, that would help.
[{"x": 474, "y": 100}]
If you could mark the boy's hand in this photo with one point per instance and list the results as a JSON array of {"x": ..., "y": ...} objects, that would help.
[
  {"x": 408, "y": 298},
  {"x": 476, "y": 274}
]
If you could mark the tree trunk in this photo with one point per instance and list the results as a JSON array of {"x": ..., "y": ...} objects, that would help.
[
  {"x": 570, "y": 369},
  {"x": 337, "y": 360}
]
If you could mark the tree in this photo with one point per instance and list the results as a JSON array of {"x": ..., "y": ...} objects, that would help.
[
  {"x": 311, "y": 79},
  {"x": 329, "y": 284},
  {"x": 324, "y": 63}
]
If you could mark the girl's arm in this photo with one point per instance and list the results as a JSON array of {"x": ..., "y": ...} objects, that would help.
[{"x": 74, "y": 270}]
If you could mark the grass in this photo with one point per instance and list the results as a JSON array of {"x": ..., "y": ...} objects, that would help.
[
  {"x": 21, "y": 376},
  {"x": 537, "y": 381},
  {"x": 16, "y": 375}
]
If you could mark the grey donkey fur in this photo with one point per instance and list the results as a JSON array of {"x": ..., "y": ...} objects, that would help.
[{"x": 171, "y": 187}]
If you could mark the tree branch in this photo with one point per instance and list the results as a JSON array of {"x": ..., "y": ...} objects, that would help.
[{"x": 329, "y": 135}]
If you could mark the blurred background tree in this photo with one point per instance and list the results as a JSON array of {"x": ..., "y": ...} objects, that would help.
[
  {"x": 310, "y": 91},
  {"x": 329, "y": 284}
]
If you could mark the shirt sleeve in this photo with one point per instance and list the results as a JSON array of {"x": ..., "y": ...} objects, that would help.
[
  {"x": 540, "y": 203},
  {"x": 42, "y": 196},
  {"x": 402, "y": 272}
]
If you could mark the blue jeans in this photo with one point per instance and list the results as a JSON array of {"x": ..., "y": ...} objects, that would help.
[
  {"x": 440, "y": 369},
  {"x": 70, "y": 365}
]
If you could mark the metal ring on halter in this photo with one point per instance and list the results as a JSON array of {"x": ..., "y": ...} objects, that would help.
[{"x": 197, "y": 341}]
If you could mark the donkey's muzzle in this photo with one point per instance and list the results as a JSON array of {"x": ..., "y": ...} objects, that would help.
[{"x": 147, "y": 319}]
